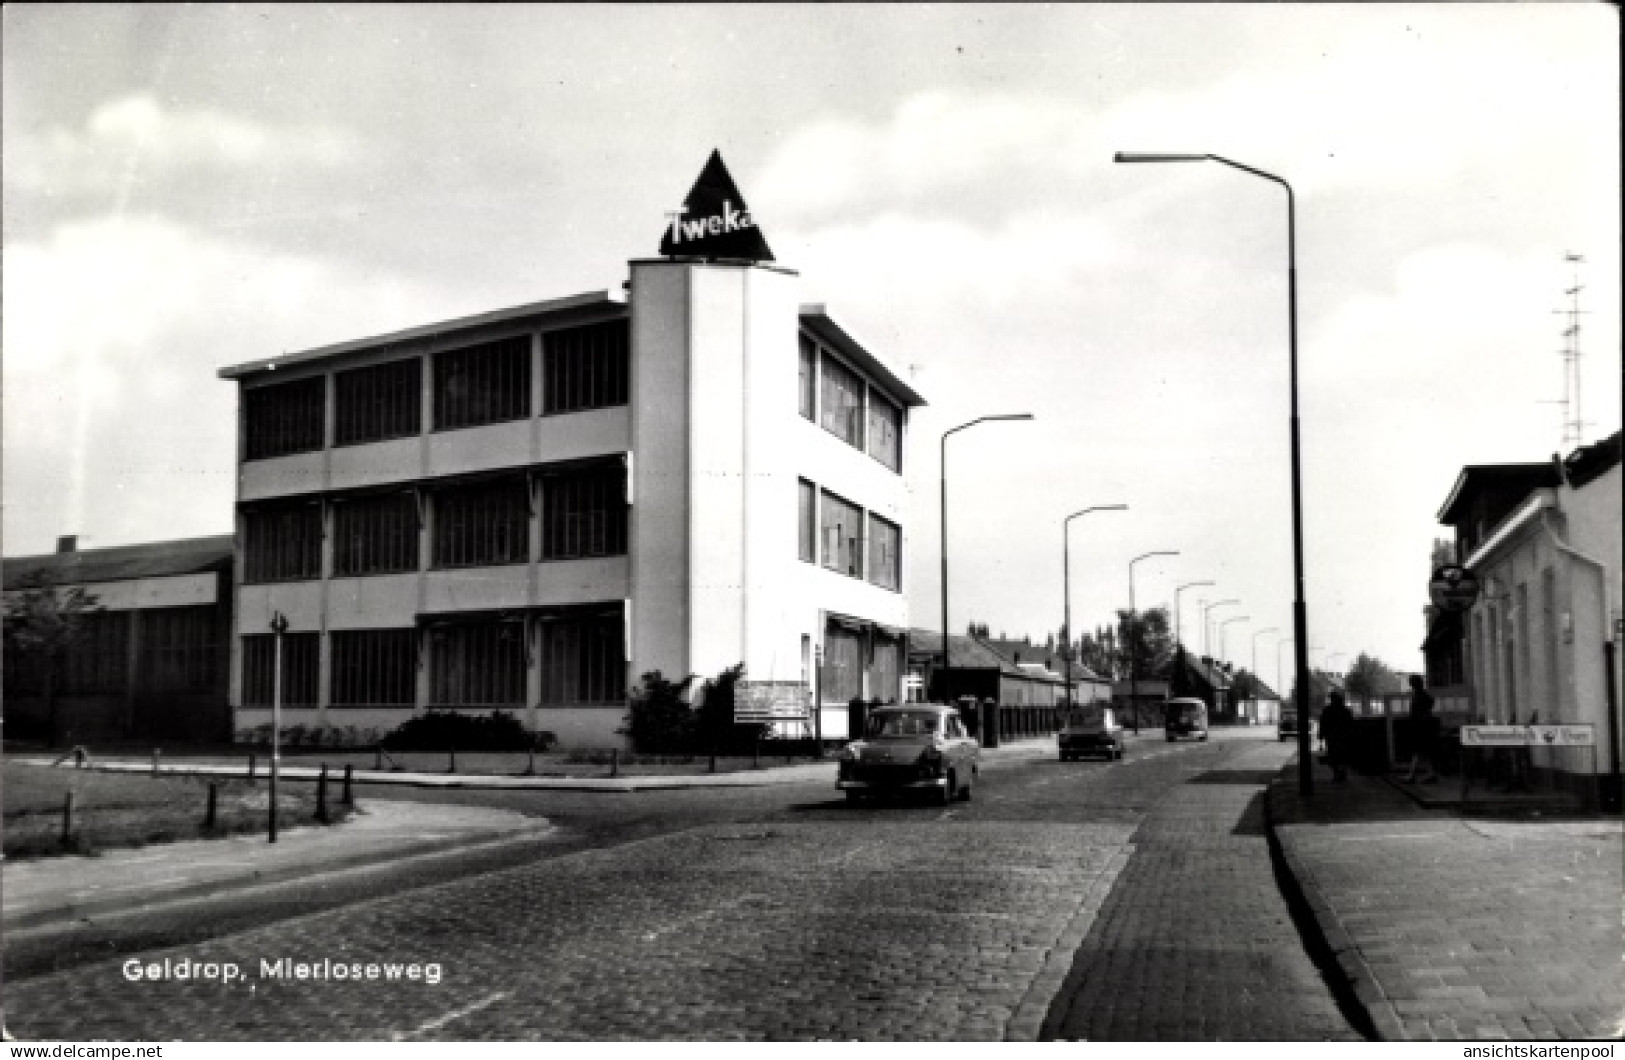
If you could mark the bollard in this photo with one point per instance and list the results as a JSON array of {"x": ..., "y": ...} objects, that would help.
[
  {"x": 614, "y": 761},
  {"x": 252, "y": 765},
  {"x": 530, "y": 763},
  {"x": 756, "y": 755},
  {"x": 155, "y": 755},
  {"x": 209, "y": 813},
  {"x": 378, "y": 758},
  {"x": 321, "y": 795},
  {"x": 713, "y": 758},
  {"x": 67, "y": 818},
  {"x": 349, "y": 796},
  {"x": 451, "y": 766}
]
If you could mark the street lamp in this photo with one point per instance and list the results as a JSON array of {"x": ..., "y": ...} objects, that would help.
[
  {"x": 279, "y": 626},
  {"x": 1300, "y": 621},
  {"x": 1179, "y": 643},
  {"x": 1224, "y": 645},
  {"x": 947, "y": 670},
  {"x": 1254, "y": 671},
  {"x": 1066, "y": 586},
  {"x": 1133, "y": 630},
  {"x": 1206, "y": 650}
]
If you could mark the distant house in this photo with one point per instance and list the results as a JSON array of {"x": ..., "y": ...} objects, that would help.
[
  {"x": 1012, "y": 673},
  {"x": 151, "y": 657},
  {"x": 1202, "y": 677},
  {"x": 1541, "y": 641}
]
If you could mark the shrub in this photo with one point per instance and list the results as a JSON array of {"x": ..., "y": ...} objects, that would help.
[
  {"x": 662, "y": 720},
  {"x": 443, "y": 730}
]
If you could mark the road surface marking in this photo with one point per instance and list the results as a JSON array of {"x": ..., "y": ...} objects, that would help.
[{"x": 441, "y": 1021}]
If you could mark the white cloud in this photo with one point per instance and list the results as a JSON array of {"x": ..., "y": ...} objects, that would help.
[{"x": 135, "y": 137}]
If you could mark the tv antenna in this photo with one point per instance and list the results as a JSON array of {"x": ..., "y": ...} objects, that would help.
[{"x": 1574, "y": 422}]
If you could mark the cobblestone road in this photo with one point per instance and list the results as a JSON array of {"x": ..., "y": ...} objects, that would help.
[
  {"x": 897, "y": 930},
  {"x": 1196, "y": 942}
]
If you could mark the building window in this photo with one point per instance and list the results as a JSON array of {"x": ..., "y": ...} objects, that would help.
[
  {"x": 885, "y": 669},
  {"x": 885, "y": 431},
  {"x": 285, "y": 418},
  {"x": 807, "y": 521},
  {"x": 586, "y": 367},
  {"x": 841, "y": 535},
  {"x": 584, "y": 660},
  {"x": 584, "y": 513},
  {"x": 488, "y": 383},
  {"x": 478, "y": 664},
  {"x": 98, "y": 660},
  {"x": 179, "y": 650},
  {"x": 283, "y": 543},
  {"x": 843, "y": 403},
  {"x": 808, "y": 382},
  {"x": 885, "y": 553},
  {"x": 375, "y": 534},
  {"x": 301, "y": 669},
  {"x": 482, "y": 525},
  {"x": 374, "y": 668},
  {"x": 373, "y": 404}
]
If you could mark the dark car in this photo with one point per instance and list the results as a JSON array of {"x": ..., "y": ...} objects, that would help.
[
  {"x": 1185, "y": 716},
  {"x": 918, "y": 747},
  {"x": 1089, "y": 729}
]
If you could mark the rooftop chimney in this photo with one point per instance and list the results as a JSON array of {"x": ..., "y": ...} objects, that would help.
[{"x": 67, "y": 543}]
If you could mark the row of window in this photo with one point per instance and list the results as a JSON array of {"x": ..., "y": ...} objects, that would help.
[
  {"x": 583, "y": 514},
  {"x": 582, "y": 368},
  {"x": 837, "y": 398},
  {"x": 177, "y": 650},
  {"x": 831, "y": 532},
  {"x": 471, "y": 664}
]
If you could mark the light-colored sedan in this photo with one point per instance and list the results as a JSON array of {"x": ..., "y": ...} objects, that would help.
[{"x": 920, "y": 746}]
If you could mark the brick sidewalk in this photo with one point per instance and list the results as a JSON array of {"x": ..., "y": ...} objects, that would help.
[{"x": 1461, "y": 927}]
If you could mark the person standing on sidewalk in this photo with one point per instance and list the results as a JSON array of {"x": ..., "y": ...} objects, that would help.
[
  {"x": 1336, "y": 732},
  {"x": 1424, "y": 731}
]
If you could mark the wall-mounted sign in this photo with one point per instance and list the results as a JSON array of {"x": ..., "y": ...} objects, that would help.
[
  {"x": 1453, "y": 588},
  {"x": 767, "y": 701},
  {"x": 714, "y": 221},
  {"x": 1528, "y": 736}
]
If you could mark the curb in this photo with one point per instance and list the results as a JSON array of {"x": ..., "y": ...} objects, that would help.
[
  {"x": 1035, "y": 1018},
  {"x": 1358, "y": 993},
  {"x": 61, "y": 917}
]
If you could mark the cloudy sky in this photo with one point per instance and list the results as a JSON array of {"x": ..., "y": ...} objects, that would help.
[{"x": 187, "y": 188}]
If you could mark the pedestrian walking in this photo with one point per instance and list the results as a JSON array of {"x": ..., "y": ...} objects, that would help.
[
  {"x": 1424, "y": 732},
  {"x": 1336, "y": 731}
]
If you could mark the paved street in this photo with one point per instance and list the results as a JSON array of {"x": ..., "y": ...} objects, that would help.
[{"x": 1132, "y": 900}]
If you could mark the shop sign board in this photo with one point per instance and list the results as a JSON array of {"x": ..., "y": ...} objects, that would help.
[
  {"x": 1453, "y": 588},
  {"x": 1528, "y": 736},
  {"x": 770, "y": 701},
  {"x": 714, "y": 221}
]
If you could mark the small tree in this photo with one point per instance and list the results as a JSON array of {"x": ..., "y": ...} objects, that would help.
[
  {"x": 43, "y": 621},
  {"x": 660, "y": 716},
  {"x": 1370, "y": 678}
]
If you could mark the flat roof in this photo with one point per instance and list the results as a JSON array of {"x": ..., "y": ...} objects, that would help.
[
  {"x": 817, "y": 319},
  {"x": 586, "y": 300},
  {"x": 158, "y": 559}
]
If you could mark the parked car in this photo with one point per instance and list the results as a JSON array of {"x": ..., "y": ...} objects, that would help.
[
  {"x": 1089, "y": 729},
  {"x": 913, "y": 747},
  {"x": 1184, "y": 716}
]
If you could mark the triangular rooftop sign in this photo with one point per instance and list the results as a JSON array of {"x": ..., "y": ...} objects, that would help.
[{"x": 714, "y": 221}]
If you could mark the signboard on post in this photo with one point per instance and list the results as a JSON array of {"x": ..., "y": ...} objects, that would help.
[
  {"x": 1453, "y": 588},
  {"x": 761, "y": 702}
]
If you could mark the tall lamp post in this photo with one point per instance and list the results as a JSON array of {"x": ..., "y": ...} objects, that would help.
[
  {"x": 1066, "y": 585},
  {"x": 279, "y": 626},
  {"x": 1206, "y": 649},
  {"x": 1300, "y": 622},
  {"x": 1256, "y": 635},
  {"x": 1179, "y": 642},
  {"x": 947, "y": 670},
  {"x": 1223, "y": 652},
  {"x": 1133, "y": 630}
]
